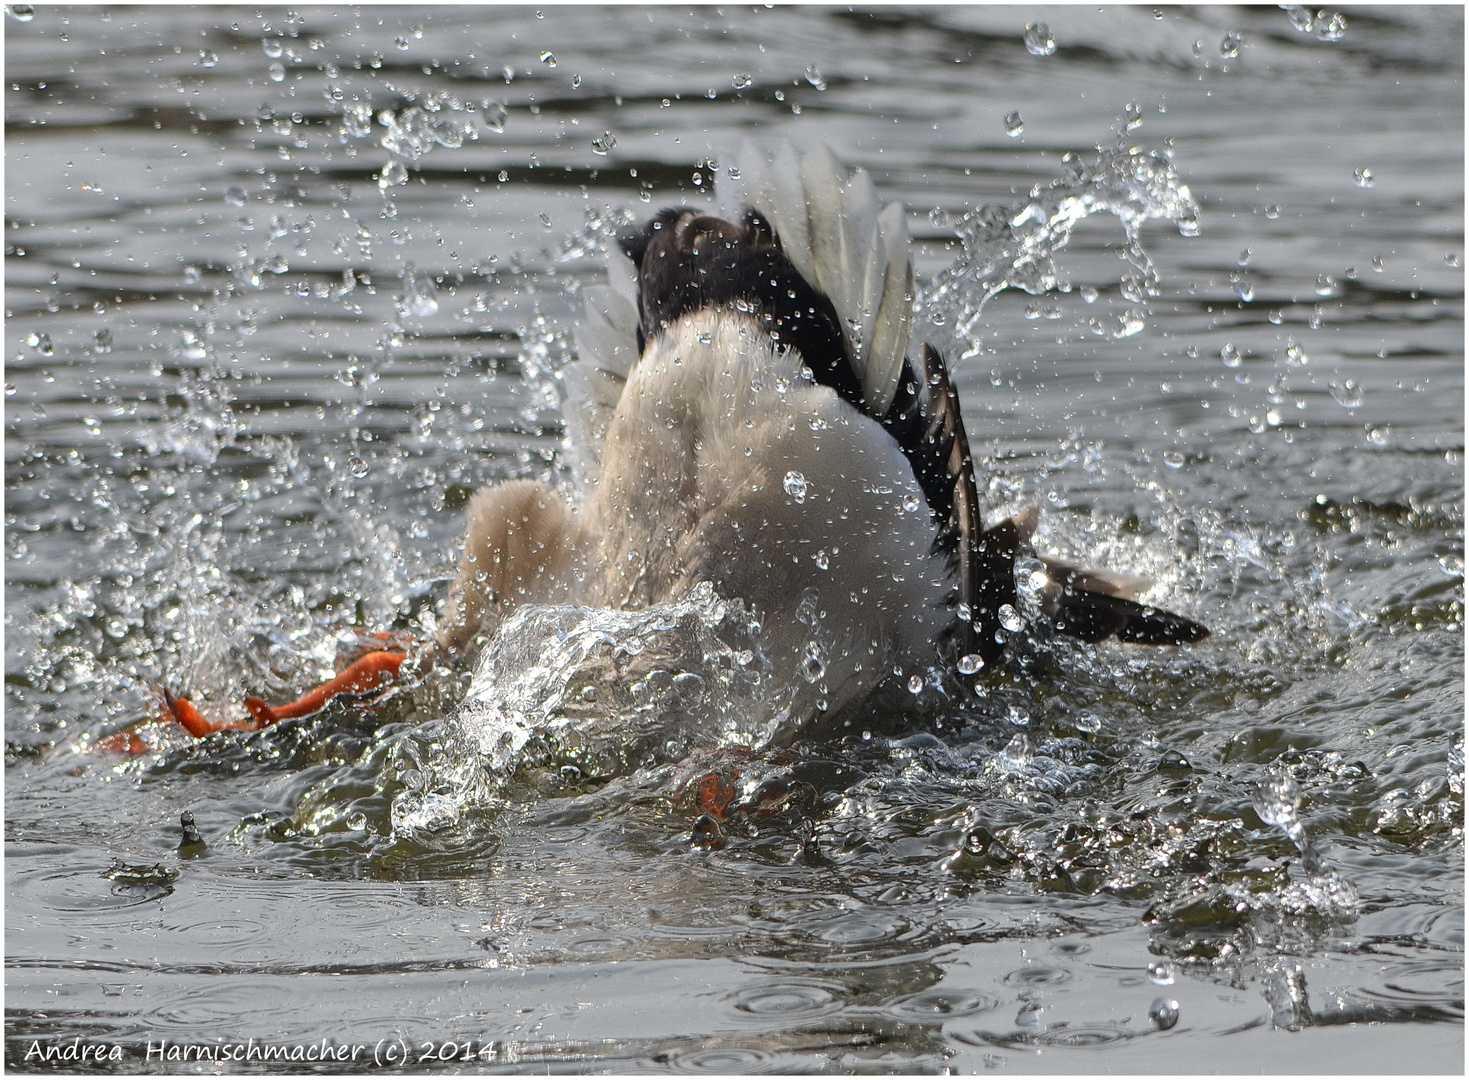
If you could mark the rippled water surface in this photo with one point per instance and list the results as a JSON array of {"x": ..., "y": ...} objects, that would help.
[{"x": 283, "y": 287}]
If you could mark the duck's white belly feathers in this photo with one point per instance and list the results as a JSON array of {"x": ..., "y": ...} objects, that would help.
[{"x": 724, "y": 463}]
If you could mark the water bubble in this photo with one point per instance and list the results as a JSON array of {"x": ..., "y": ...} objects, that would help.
[
  {"x": 1300, "y": 17},
  {"x": 795, "y": 486},
  {"x": 393, "y": 174},
  {"x": 1160, "y": 972},
  {"x": 1038, "y": 40},
  {"x": 1011, "y": 619},
  {"x": 603, "y": 145},
  {"x": 1364, "y": 177},
  {"x": 1229, "y": 47},
  {"x": 1330, "y": 25},
  {"x": 548, "y": 58},
  {"x": 1231, "y": 355},
  {"x": 20, "y": 12},
  {"x": 1348, "y": 393},
  {"x": 1164, "y": 1013},
  {"x": 740, "y": 80},
  {"x": 1014, "y": 125},
  {"x": 357, "y": 467},
  {"x": 813, "y": 76},
  {"x": 970, "y": 663}
]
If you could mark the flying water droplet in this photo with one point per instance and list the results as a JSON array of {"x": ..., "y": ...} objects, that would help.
[
  {"x": 1295, "y": 356},
  {"x": 272, "y": 47},
  {"x": 604, "y": 144},
  {"x": 915, "y": 684},
  {"x": 234, "y": 195},
  {"x": 104, "y": 341},
  {"x": 21, "y": 13},
  {"x": 813, "y": 76},
  {"x": 1038, "y": 40},
  {"x": 548, "y": 58},
  {"x": 1160, "y": 972},
  {"x": 393, "y": 174},
  {"x": 1011, "y": 619},
  {"x": 1229, "y": 47},
  {"x": 1016, "y": 755},
  {"x": 1326, "y": 285},
  {"x": 1300, "y": 17},
  {"x": 1348, "y": 393},
  {"x": 795, "y": 486},
  {"x": 1330, "y": 25},
  {"x": 1243, "y": 287},
  {"x": 1014, "y": 125},
  {"x": 1173, "y": 459},
  {"x": 911, "y": 503},
  {"x": 277, "y": 72},
  {"x": 822, "y": 560},
  {"x": 970, "y": 663},
  {"x": 740, "y": 80},
  {"x": 1164, "y": 1013},
  {"x": 1134, "y": 115},
  {"x": 1364, "y": 177},
  {"x": 357, "y": 467}
]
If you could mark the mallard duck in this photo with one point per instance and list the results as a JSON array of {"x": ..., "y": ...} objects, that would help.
[{"x": 745, "y": 414}]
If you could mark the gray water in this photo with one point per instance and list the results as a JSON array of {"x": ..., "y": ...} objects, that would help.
[{"x": 260, "y": 346}]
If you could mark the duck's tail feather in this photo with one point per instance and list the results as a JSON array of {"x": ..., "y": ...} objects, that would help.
[
  {"x": 606, "y": 348},
  {"x": 1092, "y": 616},
  {"x": 854, "y": 250}
]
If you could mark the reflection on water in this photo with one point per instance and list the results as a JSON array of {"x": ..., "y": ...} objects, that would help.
[{"x": 284, "y": 287}]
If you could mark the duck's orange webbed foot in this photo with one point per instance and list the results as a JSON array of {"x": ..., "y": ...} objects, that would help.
[{"x": 364, "y": 674}]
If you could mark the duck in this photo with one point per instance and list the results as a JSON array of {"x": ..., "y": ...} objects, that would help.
[{"x": 744, "y": 415}]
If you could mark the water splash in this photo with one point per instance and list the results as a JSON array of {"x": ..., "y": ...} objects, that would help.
[
  {"x": 1015, "y": 246},
  {"x": 606, "y": 691}
]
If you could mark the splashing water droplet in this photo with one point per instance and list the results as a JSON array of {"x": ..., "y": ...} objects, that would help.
[
  {"x": 1326, "y": 285},
  {"x": 1160, "y": 972},
  {"x": 813, "y": 76},
  {"x": 104, "y": 342},
  {"x": 548, "y": 58},
  {"x": 1133, "y": 115},
  {"x": 1330, "y": 25},
  {"x": 1011, "y": 619},
  {"x": 277, "y": 72},
  {"x": 1230, "y": 46},
  {"x": 1164, "y": 1013},
  {"x": 1014, "y": 125},
  {"x": 970, "y": 663},
  {"x": 915, "y": 684},
  {"x": 1348, "y": 393},
  {"x": 1016, "y": 755},
  {"x": 795, "y": 486},
  {"x": 939, "y": 218},
  {"x": 393, "y": 174},
  {"x": 740, "y": 80},
  {"x": 22, "y": 13},
  {"x": 1173, "y": 459},
  {"x": 603, "y": 145},
  {"x": 357, "y": 467},
  {"x": 1364, "y": 177},
  {"x": 1038, "y": 40},
  {"x": 1300, "y": 17},
  {"x": 234, "y": 195},
  {"x": 822, "y": 560},
  {"x": 357, "y": 822},
  {"x": 1243, "y": 287}
]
